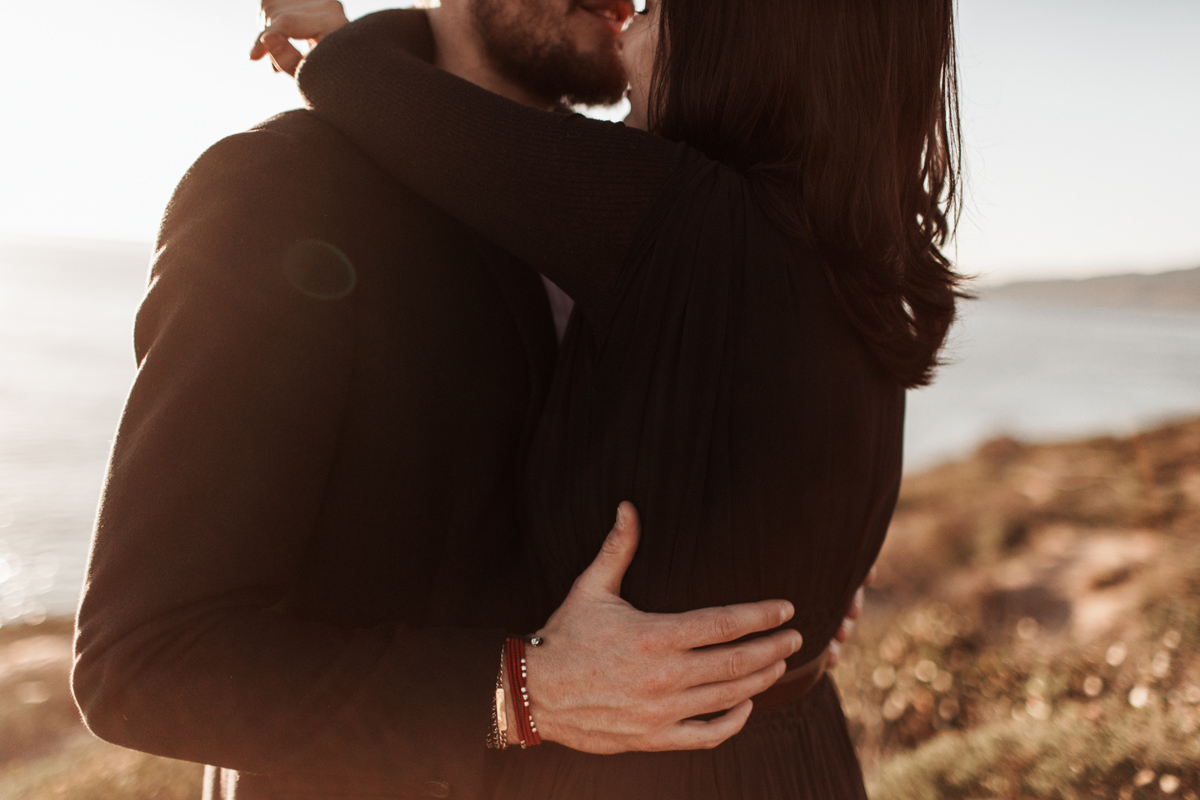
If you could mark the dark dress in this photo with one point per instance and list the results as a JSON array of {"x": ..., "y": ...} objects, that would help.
[{"x": 707, "y": 374}]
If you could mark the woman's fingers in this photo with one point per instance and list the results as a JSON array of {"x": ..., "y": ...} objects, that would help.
[
  {"x": 259, "y": 50},
  {"x": 313, "y": 23},
  {"x": 275, "y": 8},
  {"x": 309, "y": 20},
  {"x": 860, "y": 598},
  {"x": 855, "y": 611},
  {"x": 284, "y": 54}
]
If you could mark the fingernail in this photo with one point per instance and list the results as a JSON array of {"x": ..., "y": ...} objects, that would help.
[
  {"x": 849, "y": 626},
  {"x": 787, "y": 611},
  {"x": 621, "y": 517},
  {"x": 798, "y": 643}
]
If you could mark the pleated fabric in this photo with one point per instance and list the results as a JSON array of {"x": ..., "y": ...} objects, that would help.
[
  {"x": 800, "y": 751},
  {"x": 723, "y": 392}
]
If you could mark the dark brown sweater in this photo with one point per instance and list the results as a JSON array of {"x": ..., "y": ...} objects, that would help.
[{"x": 309, "y": 531}]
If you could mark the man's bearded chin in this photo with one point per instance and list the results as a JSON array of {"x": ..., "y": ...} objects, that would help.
[{"x": 544, "y": 61}]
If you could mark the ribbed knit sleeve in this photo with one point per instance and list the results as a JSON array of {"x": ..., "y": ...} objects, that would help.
[{"x": 562, "y": 192}]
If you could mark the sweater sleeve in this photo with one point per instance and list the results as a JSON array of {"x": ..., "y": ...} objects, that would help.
[
  {"x": 185, "y": 645},
  {"x": 564, "y": 193}
]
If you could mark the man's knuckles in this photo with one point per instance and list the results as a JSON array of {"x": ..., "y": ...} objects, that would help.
[
  {"x": 726, "y": 696},
  {"x": 656, "y": 715},
  {"x": 726, "y": 627},
  {"x": 647, "y": 642},
  {"x": 655, "y": 684},
  {"x": 737, "y": 664},
  {"x": 785, "y": 643}
]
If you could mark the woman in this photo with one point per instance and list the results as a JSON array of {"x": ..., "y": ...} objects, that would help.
[{"x": 757, "y": 279}]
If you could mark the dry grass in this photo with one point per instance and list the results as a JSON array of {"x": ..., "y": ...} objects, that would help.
[
  {"x": 45, "y": 751},
  {"x": 88, "y": 769},
  {"x": 1036, "y": 631}
]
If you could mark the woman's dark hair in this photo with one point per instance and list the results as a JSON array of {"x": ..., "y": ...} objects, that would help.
[{"x": 845, "y": 112}]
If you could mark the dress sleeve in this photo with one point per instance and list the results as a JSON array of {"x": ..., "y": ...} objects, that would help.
[
  {"x": 185, "y": 645},
  {"x": 564, "y": 193}
]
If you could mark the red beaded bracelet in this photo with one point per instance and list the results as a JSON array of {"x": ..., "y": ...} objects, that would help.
[{"x": 514, "y": 650}]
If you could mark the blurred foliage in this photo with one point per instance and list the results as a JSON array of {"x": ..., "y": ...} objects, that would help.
[
  {"x": 45, "y": 751},
  {"x": 1035, "y": 630}
]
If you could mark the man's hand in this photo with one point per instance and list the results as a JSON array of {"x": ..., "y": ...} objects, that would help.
[
  {"x": 284, "y": 20},
  {"x": 611, "y": 678}
]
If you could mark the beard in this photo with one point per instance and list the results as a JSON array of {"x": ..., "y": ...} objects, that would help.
[{"x": 528, "y": 48}]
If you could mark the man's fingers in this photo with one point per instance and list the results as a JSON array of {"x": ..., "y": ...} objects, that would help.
[
  {"x": 608, "y": 569},
  {"x": 283, "y": 53},
  {"x": 733, "y": 661},
  {"x": 691, "y": 734},
  {"x": 709, "y": 626},
  {"x": 721, "y": 696}
]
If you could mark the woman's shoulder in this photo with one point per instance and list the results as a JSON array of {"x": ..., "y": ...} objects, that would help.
[{"x": 726, "y": 207}]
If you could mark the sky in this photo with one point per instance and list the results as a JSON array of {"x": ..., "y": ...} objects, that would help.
[{"x": 1081, "y": 119}]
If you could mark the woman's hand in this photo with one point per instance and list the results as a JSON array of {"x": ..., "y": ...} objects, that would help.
[
  {"x": 610, "y": 678},
  {"x": 285, "y": 20},
  {"x": 860, "y": 597}
]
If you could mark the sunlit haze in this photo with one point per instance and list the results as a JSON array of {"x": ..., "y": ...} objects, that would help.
[{"x": 1080, "y": 119}]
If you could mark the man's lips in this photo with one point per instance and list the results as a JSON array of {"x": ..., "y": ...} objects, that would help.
[{"x": 615, "y": 12}]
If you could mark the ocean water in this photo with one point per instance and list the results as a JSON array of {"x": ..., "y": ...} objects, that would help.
[
  {"x": 1045, "y": 372},
  {"x": 66, "y": 363}
]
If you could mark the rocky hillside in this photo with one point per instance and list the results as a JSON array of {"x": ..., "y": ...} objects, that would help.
[
  {"x": 1035, "y": 628},
  {"x": 1166, "y": 291}
]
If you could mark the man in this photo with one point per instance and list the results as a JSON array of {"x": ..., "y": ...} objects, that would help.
[{"x": 307, "y": 553}]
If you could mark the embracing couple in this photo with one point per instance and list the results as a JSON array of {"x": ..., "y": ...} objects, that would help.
[{"x": 404, "y": 353}]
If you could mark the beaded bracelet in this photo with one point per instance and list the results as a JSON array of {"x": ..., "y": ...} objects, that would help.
[
  {"x": 512, "y": 663},
  {"x": 527, "y": 730},
  {"x": 498, "y": 736}
]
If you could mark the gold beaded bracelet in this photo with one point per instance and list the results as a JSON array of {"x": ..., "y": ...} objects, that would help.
[{"x": 498, "y": 737}]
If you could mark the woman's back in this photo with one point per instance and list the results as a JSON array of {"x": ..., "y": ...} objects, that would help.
[{"x": 723, "y": 391}]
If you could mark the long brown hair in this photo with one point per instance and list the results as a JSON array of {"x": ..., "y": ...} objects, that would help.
[{"x": 845, "y": 112}]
